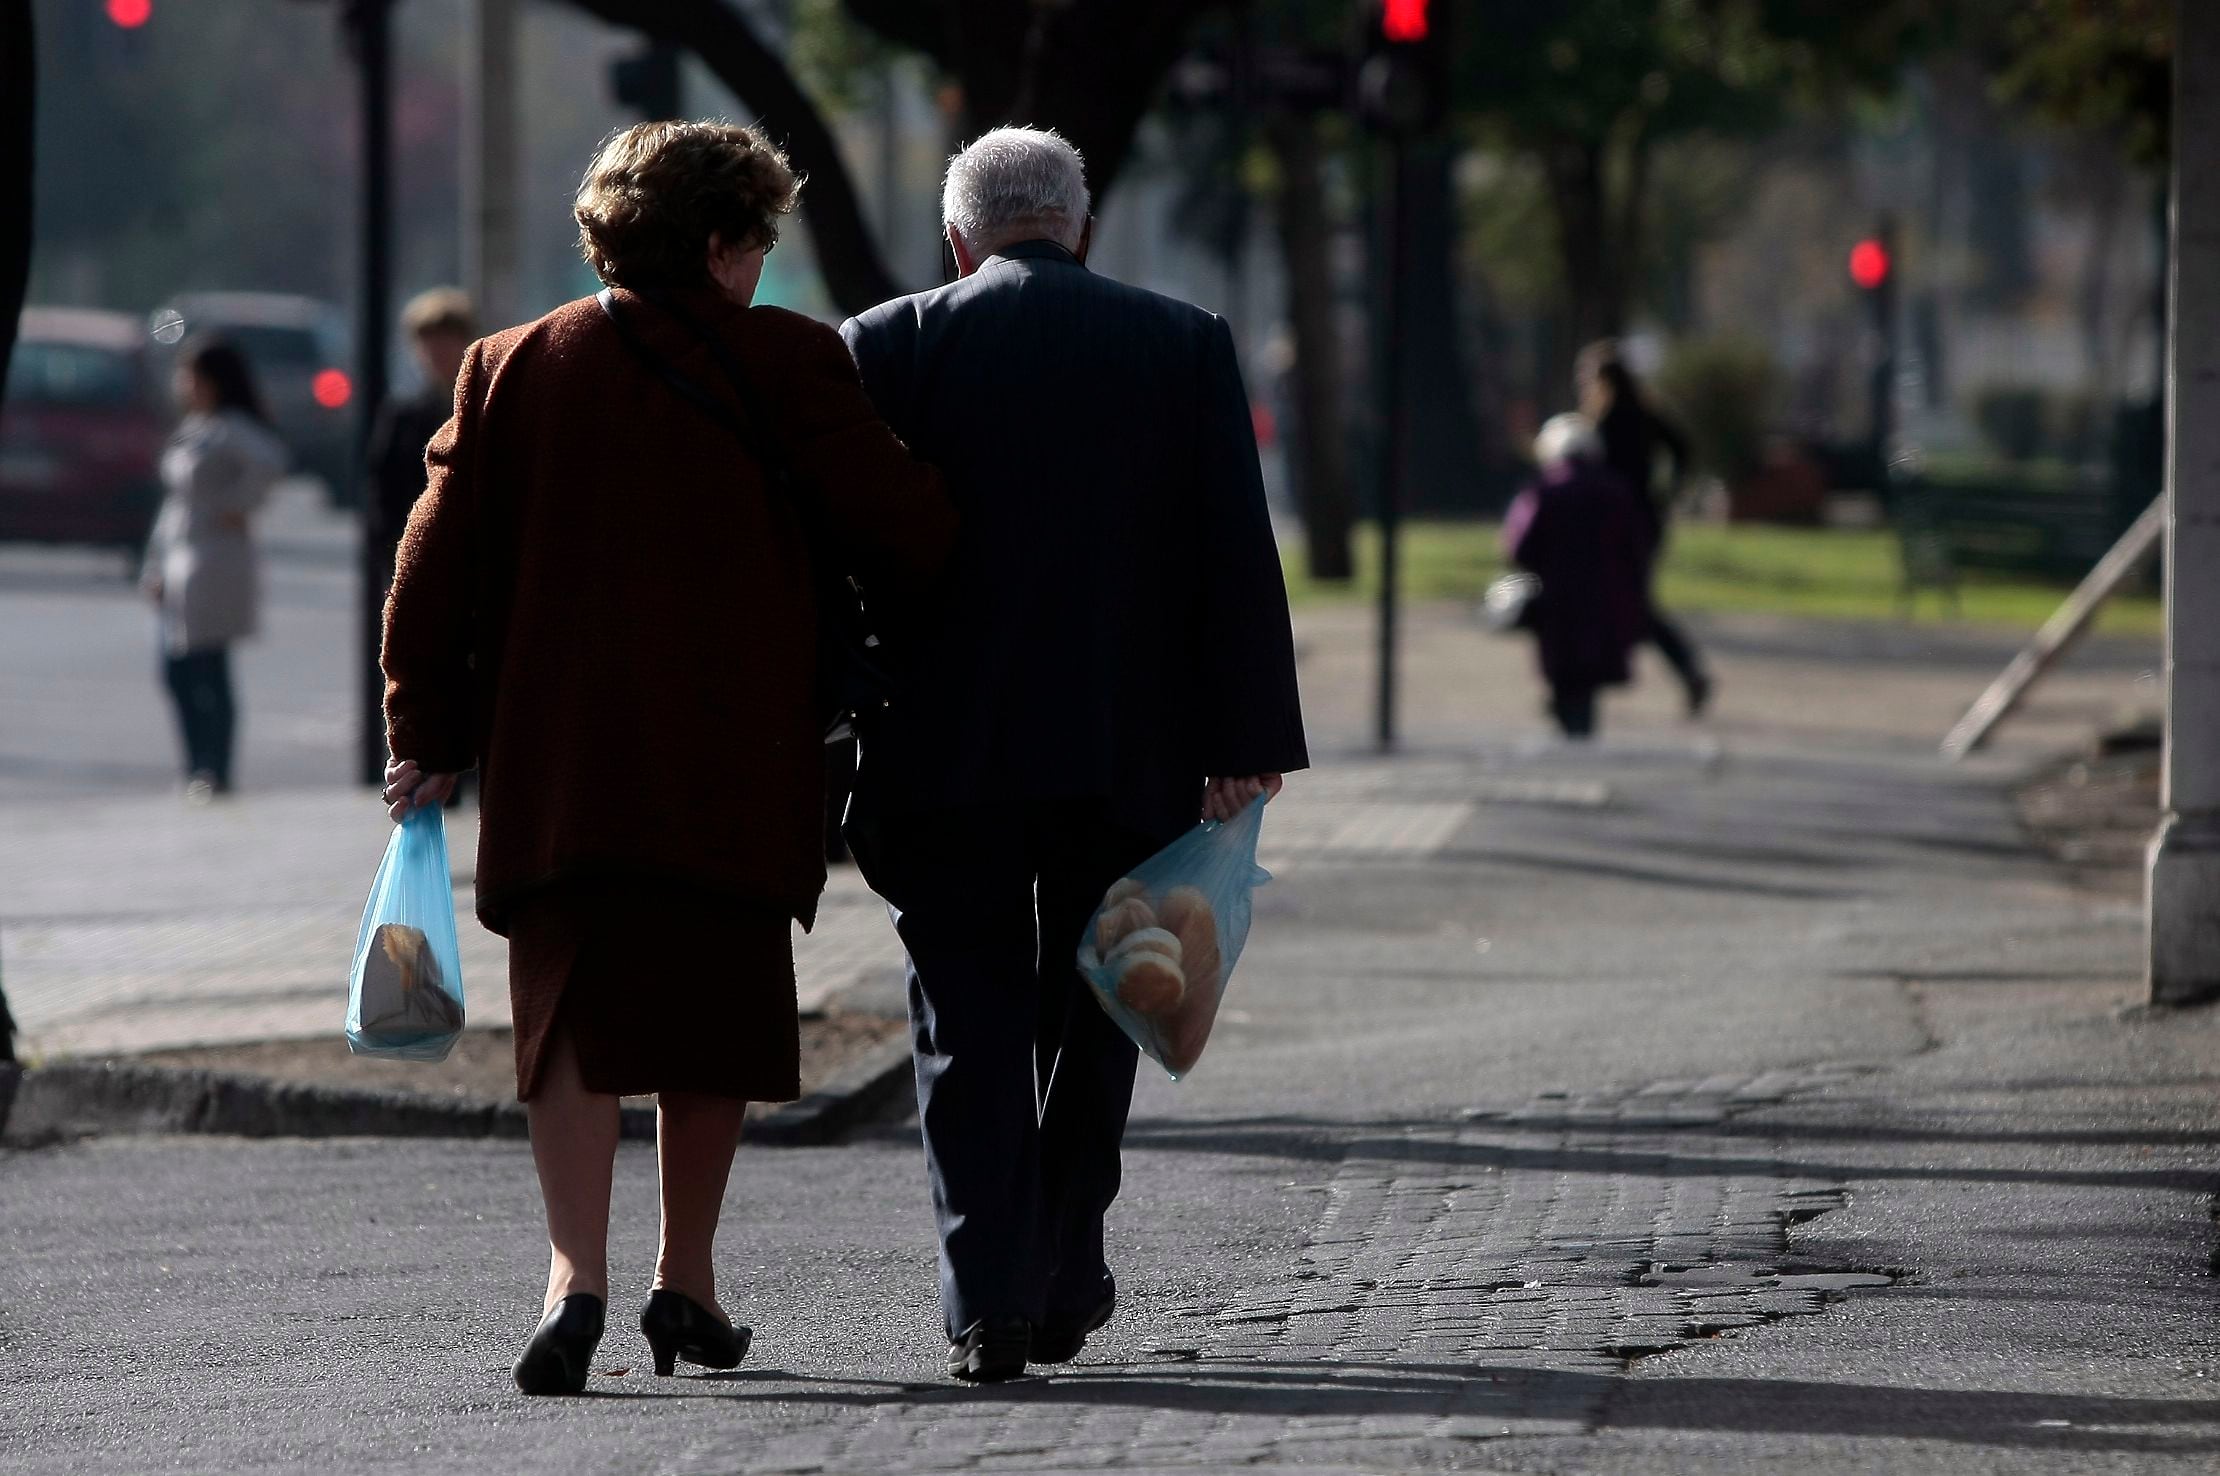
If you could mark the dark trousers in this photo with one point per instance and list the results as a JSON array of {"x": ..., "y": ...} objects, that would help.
[
  {"x": 207, "y": 714},
  {"x": 1574, "y": 709},
  {"x": 1679, "y": 652},
  {"x": 1023, "y": 1083}
]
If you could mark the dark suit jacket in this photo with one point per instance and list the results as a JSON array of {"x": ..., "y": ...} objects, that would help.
[
  {"x": 396, "y": 461},
  {"x": 1113, "y": 624}
]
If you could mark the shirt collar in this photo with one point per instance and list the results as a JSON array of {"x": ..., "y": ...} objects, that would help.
[{"x": 1041, "y": 249}]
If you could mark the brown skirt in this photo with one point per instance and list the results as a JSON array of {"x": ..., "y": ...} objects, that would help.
[{"x": 663, "y": 989}]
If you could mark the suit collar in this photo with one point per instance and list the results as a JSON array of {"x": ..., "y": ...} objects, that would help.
[{"x": 1036, "y": 250}]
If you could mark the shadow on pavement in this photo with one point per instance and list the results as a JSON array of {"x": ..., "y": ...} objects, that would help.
[
  {"x": 1327, "y": 1140},
  {"x": 1479, "y": 1392}
]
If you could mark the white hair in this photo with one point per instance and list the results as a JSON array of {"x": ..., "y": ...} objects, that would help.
[
  {"x": 1567, "y": 437},
  {"x": 1015, "y": 184}
]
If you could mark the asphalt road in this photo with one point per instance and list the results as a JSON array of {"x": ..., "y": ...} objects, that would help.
[{"x": 1551, "y": 1079}]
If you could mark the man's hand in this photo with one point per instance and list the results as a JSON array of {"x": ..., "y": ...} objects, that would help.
[
  {"x": 1225, "y": 798},
  {"x": 410, "y": 788}
]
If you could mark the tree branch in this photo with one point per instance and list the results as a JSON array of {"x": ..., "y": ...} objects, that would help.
[
  {"x": 18, "y": 117},
  {"x": 727, "y": 44}
]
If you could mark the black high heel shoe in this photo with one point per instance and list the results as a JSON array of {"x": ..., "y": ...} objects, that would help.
[
  {"x": 676, "y": 1326},
  {"x": 561, "y": 1352}
]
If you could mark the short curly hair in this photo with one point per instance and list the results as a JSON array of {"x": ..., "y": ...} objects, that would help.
[{"x": 656, "y": 192}]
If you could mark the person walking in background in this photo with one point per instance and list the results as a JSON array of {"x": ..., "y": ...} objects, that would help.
[
  {"x": 1109, "y": 655},
  {"x": 1634, "y": 435},
  {"x": 200, "y": 568},
  {"x": 439, "y": 326},
  {"x": 605, "y": 601},
  {"x": 1582, "y": 532}
]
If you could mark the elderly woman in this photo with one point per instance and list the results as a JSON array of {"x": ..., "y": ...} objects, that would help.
[
  {"x": 200, "y": 563},
  {"x": 1580, "y": 530},
  {"x": 605, "y": 602}
]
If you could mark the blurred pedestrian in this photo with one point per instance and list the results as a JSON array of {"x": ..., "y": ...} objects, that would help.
[
  {"x": 1581, "y": 531},
  {"x": 1634, "y": 436},
  {"x": 605, "y": 601},
  {"x": 439, "y": 326},
  {"x": 1110, "y": 655},
  {"x": 201, "y": 567}
]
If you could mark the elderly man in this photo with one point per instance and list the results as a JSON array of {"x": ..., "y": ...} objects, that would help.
[{"x": 1107, "y": 658}]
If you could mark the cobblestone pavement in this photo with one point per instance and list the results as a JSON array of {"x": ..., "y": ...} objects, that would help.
[{"x": 1465, "y": 1283}]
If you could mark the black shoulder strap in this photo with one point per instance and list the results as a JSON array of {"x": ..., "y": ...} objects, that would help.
[{"x": 766, "y": 450}]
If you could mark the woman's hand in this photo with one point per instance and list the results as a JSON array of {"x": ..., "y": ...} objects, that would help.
[
  {"x": 410, "y": 788},
  {"x": 1225, "y": 798}
]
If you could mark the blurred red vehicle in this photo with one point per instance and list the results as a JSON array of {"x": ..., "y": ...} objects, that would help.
[{"x": 81, "y": 430}]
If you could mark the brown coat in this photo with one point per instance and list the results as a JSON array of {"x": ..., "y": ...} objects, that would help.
[{"x": 601, "y": 603}]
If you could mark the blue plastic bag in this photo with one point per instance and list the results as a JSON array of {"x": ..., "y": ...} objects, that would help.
[
  {"x": 405, "y": 998},
  {"x": 1160, "y": 949}
]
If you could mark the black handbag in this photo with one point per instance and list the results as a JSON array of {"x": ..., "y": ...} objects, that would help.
[{"x": 853, "y": 683}]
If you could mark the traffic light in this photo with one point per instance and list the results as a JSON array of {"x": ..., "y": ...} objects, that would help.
[
  {"x": 129, "y": 15},
  {"x": 1404, "y": 85},
  {"x": 1870, "y": 264},
  {"x": 647, "y": 81},
  {"x": 1406, "y": 20},
  {"x": 1873, "y": 272}
]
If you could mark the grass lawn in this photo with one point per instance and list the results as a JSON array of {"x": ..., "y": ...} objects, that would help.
[{"x": 1823, "y": 573}]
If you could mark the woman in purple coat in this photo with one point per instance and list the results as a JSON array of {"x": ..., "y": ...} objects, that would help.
[{"x": 1581, "y": 531}]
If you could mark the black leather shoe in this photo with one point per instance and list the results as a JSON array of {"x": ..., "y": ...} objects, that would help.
[
  {"x": 1060, "y": 1337},
  {"x": 993, "y": 1350},
  {"x": 676, "y": 1326},
  {"x": 561, "y": 1352}
]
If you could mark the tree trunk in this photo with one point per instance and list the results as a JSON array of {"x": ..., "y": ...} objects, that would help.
[
  {"x": 1321, "y": 441},
  {"x": 1446, "y": 470},
  {"x": 855, "y": 273},
  {"x": 1587, "y": 252},
  {"x": 18, "y": 116},
  {"x": 1090, "y": 69}
]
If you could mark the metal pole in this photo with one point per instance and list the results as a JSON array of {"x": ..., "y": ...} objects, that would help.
[
  {"x": 1883, "y": 384},
  {"x": 370, "y": 29},
  {"x": 1394, "y": 437},
  {"x": 2184, "y": 872},
  {"x": 489, "y": 163}
]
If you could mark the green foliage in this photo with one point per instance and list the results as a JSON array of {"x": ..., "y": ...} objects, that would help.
[
  {"x": 1622, "y": 109},
  {"x": 1598, "y": 69},
  {"x": 1811, "y": 573},
  {"x": 1726, "y": 392},
  {"x": 2105, "y": 64},
  {"x": 1509, "y": 233},
  {"x": 839, "y": 61}
]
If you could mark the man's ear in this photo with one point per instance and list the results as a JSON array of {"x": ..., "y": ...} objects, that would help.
[
  {"x": 966, "y": 263},
  {"x": 1086, "y": 240}
]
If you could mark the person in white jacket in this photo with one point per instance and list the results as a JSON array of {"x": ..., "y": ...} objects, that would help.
[{"x": 200, "y": 570}]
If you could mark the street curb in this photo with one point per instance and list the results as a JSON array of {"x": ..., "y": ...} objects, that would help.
[
  {"x": 855, "y": 1093},
  {"x": 72, "y": 1099}
]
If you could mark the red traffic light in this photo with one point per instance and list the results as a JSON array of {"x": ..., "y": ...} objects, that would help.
[
  {"x": 1405, "y": 20},
  {"x": 130, "y": 14},
  {"x": 1869, "y": 264},
  {"x": 332, "y": 389}
]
